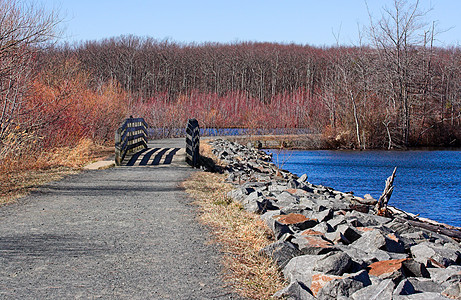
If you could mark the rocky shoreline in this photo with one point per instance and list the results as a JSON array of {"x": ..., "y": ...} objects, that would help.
[{"x": 330, "y": 244}]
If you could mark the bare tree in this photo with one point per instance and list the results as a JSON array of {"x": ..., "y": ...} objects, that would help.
[
  {"x": 397, "y": 36},
  {"x": 24, "y": 30}
]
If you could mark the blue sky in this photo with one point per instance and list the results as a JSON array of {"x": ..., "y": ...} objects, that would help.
[{"x": 300, "y": 21}]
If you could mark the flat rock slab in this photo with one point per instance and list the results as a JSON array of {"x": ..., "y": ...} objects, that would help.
[
  {"x": 100, "y": 165},
  {"x": 120, "y": 233}
]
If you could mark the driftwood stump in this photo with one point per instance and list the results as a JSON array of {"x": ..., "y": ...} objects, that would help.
[{"x": 381, "y": 205}]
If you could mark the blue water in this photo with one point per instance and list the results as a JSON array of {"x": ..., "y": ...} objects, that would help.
[{"x": 426, "y": 183}]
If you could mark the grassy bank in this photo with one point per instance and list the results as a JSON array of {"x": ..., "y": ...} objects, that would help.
[
  {"x": 289, "y": 141},
  {"x": 20, "y": 174},
  {"x": 240, "y": 235}
]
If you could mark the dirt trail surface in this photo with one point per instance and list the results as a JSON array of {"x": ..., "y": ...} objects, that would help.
[{"x": 120, "y": 233}]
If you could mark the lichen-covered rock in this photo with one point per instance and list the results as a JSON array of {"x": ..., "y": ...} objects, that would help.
[
  {"x": 313, "y": 244},
  {"x": 392, "y": 269},
  {"x": 296, "y": 222},
  {"x": 341, "y": 287}
]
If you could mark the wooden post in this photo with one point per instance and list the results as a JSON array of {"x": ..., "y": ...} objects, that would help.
[
  {"x": 193, "y": 143},
  {"x": 118, "y": 140}
]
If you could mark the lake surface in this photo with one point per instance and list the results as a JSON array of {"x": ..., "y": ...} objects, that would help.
[{"x": 426, "y": 182}]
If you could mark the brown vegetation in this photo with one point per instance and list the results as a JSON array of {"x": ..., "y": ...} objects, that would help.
[
  {"x": 240, "y": 235},
  {"x": 396, "y": 91}
]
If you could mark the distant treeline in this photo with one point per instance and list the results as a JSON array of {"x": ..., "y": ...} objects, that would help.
[
  {"x": 397, "y": 90},
  {"x": 361, "y": 97}
]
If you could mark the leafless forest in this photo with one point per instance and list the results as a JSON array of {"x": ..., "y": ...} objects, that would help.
[{"x": 395, "y": 89}]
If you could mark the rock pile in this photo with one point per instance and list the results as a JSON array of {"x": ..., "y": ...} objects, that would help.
[{"x": 330, "y": 245}]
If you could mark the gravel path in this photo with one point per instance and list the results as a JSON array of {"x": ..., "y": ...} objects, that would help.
[{"x": 120, "y": 233}]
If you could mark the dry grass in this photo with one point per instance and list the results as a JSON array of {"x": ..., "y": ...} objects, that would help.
[
  {"x": 19, "y": 175},
  {"x": 240, "y": 234}
]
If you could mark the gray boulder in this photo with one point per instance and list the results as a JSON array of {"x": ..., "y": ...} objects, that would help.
[
  {"x": 281, "y": 252},
  {"x": 426, "y": 285},
  {"x": 286, "y": 199},
  {"x": 370, "y": 241},
  {"x": 380, "y": 291},
  {"x": 348, "y": 232},
  {"x": 301, "y": 268},
  {"x": 295, "y": 291},
  {"x": 368, "y": 220},
  {"x": 453, "y": 291},
  {"x": 357, "y": 255},
  {"x": 323, "y": 227},
  {"x": 441, "y": 275},
  {"x": 413, "y": 268},
  {"x": 313, "y": 244},
  {"x": 336, "y": 221},
  {"x": 323, "y": 215},
  {"x": 293, "y": 184},
  {"x": 259, "y": 206},
  {"x": 268, "y": 218},
  {"x": 430, "y": 253},
  {"x": 334, "y": 263},
  {"x": 405, "y": 287},
  {"x": 421, "y": 296},
  {"x": 344, "y": 287}
]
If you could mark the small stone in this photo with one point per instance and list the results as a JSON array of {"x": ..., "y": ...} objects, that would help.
[{"x": 303, "y": 178}]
